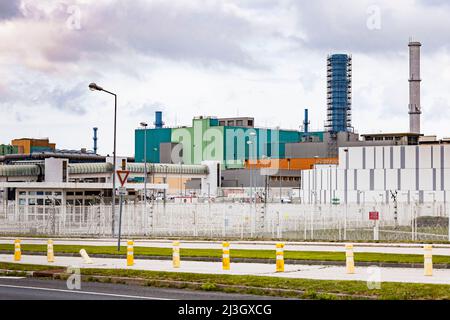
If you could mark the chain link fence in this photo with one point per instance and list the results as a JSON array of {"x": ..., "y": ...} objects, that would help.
[{"x": 407, "y": 222}]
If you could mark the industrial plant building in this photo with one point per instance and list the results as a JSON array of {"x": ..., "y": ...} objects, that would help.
[{"x": 253, "y": 157}]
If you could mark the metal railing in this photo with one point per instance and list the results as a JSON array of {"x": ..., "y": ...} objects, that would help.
[{"x": 235, "y": 220}]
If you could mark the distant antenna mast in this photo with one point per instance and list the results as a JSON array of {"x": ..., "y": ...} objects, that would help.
[
  {"x": 95, "y": 140},
  {"x": 394, "y": 199}
]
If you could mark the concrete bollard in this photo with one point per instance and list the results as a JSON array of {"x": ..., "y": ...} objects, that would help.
[
  {"x": 280, "y": 257},
  {"x": 50, "y": 252},
  {"x": 130, "y": 253},
  {"x": 17, "y": 251},
  {"x": 176, "y": 254},
  {"x": 349, "y": 258},
  {"x": 226, "y": 256},
  {"x": 85, "y": 257},
  {"x": 428, "y": 260}
]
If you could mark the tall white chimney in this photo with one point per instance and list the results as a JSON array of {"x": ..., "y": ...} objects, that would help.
[{"x": 414, "y": 87}]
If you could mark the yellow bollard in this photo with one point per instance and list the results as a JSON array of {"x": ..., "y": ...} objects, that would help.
[
  {"x": 428, "y": 260},
  {"x": 130, "y": 253},
  {"x": 176, "y": 254},
  {"x": 349, "y": 258},
  {"x": 280, "y": 257},
  {"x": 226, "y": 256},
  {"x": 50, "y": 253},
  {"x": 86, "y": 257},
  {"x": 17, "y": 252}
]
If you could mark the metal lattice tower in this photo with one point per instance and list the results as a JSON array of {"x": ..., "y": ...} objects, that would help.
[{"x": 339, "y": 93}]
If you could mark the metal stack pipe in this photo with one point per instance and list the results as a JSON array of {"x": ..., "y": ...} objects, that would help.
[{"x": 414, "y": 86}]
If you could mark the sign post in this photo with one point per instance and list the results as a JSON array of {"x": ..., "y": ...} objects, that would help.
[
  {"x": 375, "y": 216},
  {"x": 122, "y": 175}
]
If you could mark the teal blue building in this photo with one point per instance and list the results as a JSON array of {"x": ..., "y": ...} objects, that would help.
[{"x": 207, "y": 140}]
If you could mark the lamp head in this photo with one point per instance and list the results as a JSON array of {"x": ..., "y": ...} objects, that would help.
[
  {"x": 95, "y": 87},
  {"x": 144, "y": 124}
]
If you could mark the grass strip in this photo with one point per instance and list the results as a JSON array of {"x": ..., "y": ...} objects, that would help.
[
  {"x": 312, "y": 289},
  {"x": 235, "y": 253}
]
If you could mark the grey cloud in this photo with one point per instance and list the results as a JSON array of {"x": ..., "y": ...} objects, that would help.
[
  {"x": 206, "y": 33},
  {"x": 438, "y": 110},
  {"x": 24, "y": 95},
  {"x": 67, "y": 100},
  {"x": 146, "y": 110},
  {"x": 9, "y": 9},
  {"x": 342, "y": 25}
]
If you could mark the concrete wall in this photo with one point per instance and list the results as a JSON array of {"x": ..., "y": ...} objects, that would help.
[
  {"x": 166, "y": 148},
  {"x": 243, "y": 177},
  {"x": 56, "y": 170}
]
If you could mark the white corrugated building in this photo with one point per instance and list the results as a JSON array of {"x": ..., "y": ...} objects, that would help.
[{"x": 419, "y": 173}]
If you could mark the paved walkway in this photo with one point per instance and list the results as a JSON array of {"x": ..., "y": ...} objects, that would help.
[
  {"x": 440, "y": 276},
  {"x": 401, "y": 248}
]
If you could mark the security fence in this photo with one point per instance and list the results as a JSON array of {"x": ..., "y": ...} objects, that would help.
[{"x": 429, "y": 221}]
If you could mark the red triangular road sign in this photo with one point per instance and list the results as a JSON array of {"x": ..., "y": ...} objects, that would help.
[{"x": 123, "y": 175}]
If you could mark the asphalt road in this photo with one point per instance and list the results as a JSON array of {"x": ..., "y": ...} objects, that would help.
[{"x": 13, "y": 288}]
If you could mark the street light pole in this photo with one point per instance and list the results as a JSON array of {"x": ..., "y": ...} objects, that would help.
[
  {"x": 251, "y": 155},
  {"x": 94, "y": 87},
  {"x": 251, "y": 170}
]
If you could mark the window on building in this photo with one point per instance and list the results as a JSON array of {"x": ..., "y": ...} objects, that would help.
[
  {"x": 231, "y": 122},
  {"x": 222, "y": 123},
  {"x": 239, "y": 122},
  {"x": 250, "y": 122}
]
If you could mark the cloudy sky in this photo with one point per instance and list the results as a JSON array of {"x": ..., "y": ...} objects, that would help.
[{"x": 261, "y": 58}]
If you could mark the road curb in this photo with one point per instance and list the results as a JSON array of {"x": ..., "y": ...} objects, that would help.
[{"x": 199, "y": 285}]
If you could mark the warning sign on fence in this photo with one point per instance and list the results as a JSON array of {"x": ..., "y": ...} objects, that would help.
[{"x": 374, "y": 215}]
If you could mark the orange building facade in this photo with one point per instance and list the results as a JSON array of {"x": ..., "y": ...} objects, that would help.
[
  {"x": 26, "y": 145},
  {"x": 289, "y": 163}
]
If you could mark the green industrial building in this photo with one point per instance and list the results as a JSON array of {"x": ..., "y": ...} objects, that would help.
[
  {"x": 210, "y": 139},
  {"x": 8, "y": 149}
]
